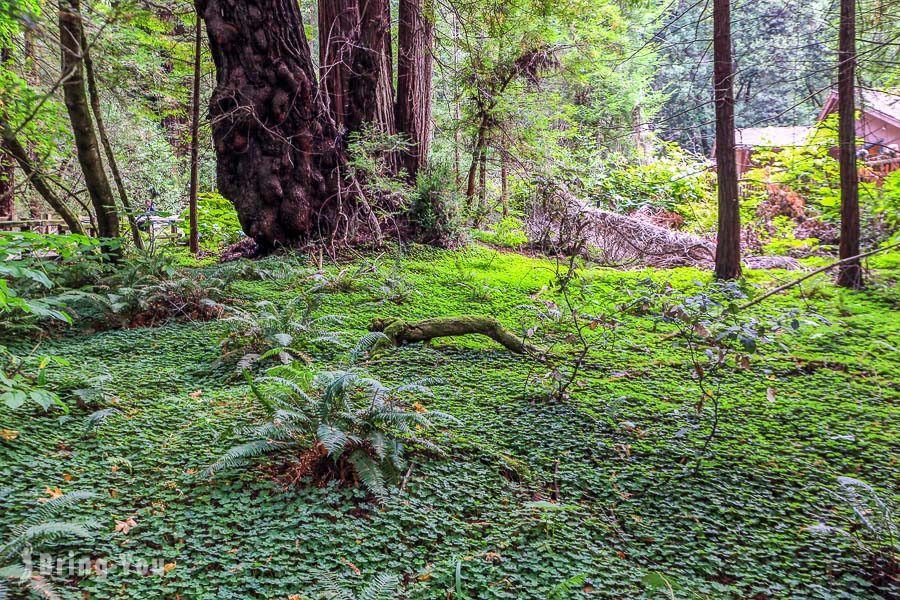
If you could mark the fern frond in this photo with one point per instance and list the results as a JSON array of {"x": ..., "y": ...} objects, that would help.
[
  {"x": 96, "y": 418},
  {"x": 239, "y": 455},
  {"x": 382, "y": 587},
  {"x": 369, "y": 473},
  {"x": 366, "y": 344}
]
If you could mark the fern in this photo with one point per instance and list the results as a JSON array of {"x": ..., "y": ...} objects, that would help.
[
  {"x": 353, "y": 418},
  {"x": 382, "y": 587},
  {"x": 40, "y": 526}
]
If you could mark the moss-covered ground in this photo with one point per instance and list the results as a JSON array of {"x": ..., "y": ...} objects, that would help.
[{"x": 613, "y": 452}]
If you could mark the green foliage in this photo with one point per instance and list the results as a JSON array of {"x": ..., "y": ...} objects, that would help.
[
  {"x": 436, "y": 211},
  {"x": 735, "y": 530},
  {"x": 272, "y": 332},
  {"x": 20, "y": 382},
  {"x": 342, "y": 417},
  {"x": 673, "y": 181},
  {"x": 217, "y": 222},
  {"x": 508, "y": 233},
  {"x": 872, "y": 527},
  {"x": 40, "y": 526}
]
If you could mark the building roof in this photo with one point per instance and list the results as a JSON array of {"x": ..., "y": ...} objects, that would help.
[
  {"x": 775, "y": 137},
  {"x": 884, "y": 104}
]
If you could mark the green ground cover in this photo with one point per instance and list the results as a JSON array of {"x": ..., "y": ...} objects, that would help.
[{"x": 477, "y": 523}]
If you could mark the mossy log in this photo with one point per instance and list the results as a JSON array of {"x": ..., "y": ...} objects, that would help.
[{"x": 405, "y": 332}]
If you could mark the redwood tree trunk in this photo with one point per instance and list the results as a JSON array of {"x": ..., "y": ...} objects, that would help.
[
  {"x": 850, "y": 273},
  {"x": 279, "y": 152},
  {"x": 728, "y": 246},
  {"x": 414, "y": 71},
  {"x": 355, "y": 67},
  {"x": 71, "y": 35}
]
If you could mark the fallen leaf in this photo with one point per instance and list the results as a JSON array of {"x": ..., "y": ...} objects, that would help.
[
  {"x": 8, "y": 434},
  {"x": 125, "y": 526},
  {"x": 419, "y": 407},
  {"x": 770, "y": 394},
  {"x": 168, "y": 567},
  {"x": 67, "y": 476},
  {"x": 196, "y": 394},
  {"x": 52, "y": 493},
  {"x": 492, "y": 557}
]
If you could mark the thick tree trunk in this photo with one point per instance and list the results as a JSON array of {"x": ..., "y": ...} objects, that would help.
[
  {"x": 195, "y": 141},
  {"x": 71, "y": 36},
  {"x": 849, "y": 273},
  {"x": 355, "y": 68},
  {"x": 94, "y": 94},
  {"x": 728, "y": 247},
  {"x": 279, "y": 152},
  {"x": 414, "y": 74},
  {"x": 16, "y": 150}
]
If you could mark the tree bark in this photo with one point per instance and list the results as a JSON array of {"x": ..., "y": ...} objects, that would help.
[
  {"x": 850, "y": 272},
  {"x": 71, "y": 35},
  {"x": 17, "y": 151},
  {"x": 728, "y": 246},
  {"x": 405, "y": 332},
  {"x": 94, "y": 94},
  {"x": 7, "y": 168},
  {"x": 414, "y": 73},
  {"x": 355, "y": 68},
  {"x": 504, "y": 184},
  {"x": 195, "y": 140},
  {"x": 279, "y": 153}
]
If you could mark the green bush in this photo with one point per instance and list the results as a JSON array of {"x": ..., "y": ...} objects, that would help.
[
  {"x": 217, "y": 222},
  {"x": 436, "y": 214}
]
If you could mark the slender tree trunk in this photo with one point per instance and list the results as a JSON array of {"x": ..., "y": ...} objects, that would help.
[
  {"x": 195, "y": 140},
  {"x": 476, "y": 156},
  {"x": 31, "y": 76},
  {"x": 728, "y": 246},
  {"x": 17, "y": 151},
  {"x": 482, "y": 185},
  {"x": 504, "y": 184},
  {"x": 414, "y": 74},
  {"x": 7, "y": 168},
  {"x": 71, "y": 36},
  {"x": 94, "y": 94},
  {"x": 850, "y": 273},
  {"x": 279, "y": 153}
]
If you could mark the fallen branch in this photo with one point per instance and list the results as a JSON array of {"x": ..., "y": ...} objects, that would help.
[
  {"x": 786, "y": 286},
  {"x": 403, "y": 332}
]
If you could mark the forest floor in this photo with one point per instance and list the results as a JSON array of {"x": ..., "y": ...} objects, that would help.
[{"x": 478, "y": 523}]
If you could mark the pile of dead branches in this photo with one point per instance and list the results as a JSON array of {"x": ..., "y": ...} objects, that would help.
[{"x": 561, "y": 223}]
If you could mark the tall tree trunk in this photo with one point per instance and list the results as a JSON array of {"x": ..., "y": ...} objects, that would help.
[
  {"x": 355, "y": 67},
  {"x": 7, "y": 168},
  {"x": 279, "y": 152},
  {"x": 17, "y": 150},
  {"x": 504, "y": 183},
  {"x": 414, "y": 70},
  {"x": 71, "y": 35},
  {"x": 480, "y": 138},
  {"x": 195, "y": 140},
  {"x": 728, "y": 246},
  {"x": 94, "y": 94},
  {"x": 850, "y": 273}
]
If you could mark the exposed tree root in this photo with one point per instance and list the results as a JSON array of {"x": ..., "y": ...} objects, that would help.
[{"x": 403, "y": 332}]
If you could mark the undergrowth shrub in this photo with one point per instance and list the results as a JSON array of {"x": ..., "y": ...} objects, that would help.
[
  {"x": 341, "y": 425},
  {"x": 252, "y": 338},
  {"x": 43, "y": 525},
  {"x": 871, "y": 527},
  {"x": 436, "y": 212},
  {"x": 217, "y": 222},
  {"x": 23, "y": 382}
]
